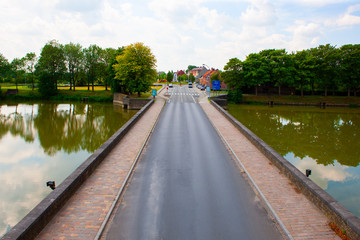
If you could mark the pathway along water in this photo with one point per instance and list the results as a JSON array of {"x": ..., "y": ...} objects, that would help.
[
  {"x": 47, "y": 141},
  {"x": 326, "y": 141}
]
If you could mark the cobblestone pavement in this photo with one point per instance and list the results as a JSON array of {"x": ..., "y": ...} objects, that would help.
[
  {"x": 300, "y": 216},
  {"x": 83, "y": 214}
]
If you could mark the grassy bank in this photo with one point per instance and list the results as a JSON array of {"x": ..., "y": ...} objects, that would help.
[
  {"x": 64, "y": 94},
  {"x": 298, "y": 99}
]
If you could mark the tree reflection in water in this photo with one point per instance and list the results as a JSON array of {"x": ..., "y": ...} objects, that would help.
[
  {"x": 325, "y": 135},
  {"x": 47, "y": 141},
  {"x": 324, "y": 140},
  {"x": 64, "y": 127}
]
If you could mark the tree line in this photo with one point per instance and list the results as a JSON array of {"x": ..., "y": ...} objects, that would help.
[
  {"x": 125, "y": 69},
  {"x": 324, "y": 68}
]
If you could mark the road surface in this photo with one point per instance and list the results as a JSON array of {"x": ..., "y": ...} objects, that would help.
[{"x": 187, "y": 186}]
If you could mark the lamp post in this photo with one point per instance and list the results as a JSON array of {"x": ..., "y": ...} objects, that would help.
[{"x": 209, "y": 80}]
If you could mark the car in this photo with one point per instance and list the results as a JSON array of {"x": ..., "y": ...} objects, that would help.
[
  {"x": 203, "y": 88},
  {"x": 170, "y": 85},
  {"x": 190, "y": 85}
]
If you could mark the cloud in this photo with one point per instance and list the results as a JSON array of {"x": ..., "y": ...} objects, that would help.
[
  {"x": 321, "y": 174},
  {"x": 303, "y": 35},
  {"x": 260, "y": 13},
  {"x": 348, "y": 18}
]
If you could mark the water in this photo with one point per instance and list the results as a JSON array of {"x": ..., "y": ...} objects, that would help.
[
  {"x": 325, "y": 140},
  {"x": 47, "y": 141}
]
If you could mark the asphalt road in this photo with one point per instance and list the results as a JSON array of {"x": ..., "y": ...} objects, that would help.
[{"x": 187, "y": 186}]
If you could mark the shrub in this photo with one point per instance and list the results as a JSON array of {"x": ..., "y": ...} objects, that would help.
[{"x": 235, "y": 96}]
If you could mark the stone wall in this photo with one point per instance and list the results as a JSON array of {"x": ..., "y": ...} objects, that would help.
[{"x": 335, "y": 212}]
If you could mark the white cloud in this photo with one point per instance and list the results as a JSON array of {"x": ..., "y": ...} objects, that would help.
[
  {"x": 260, "y": 13},
  {"x": 175, "y": 30},
  {"x": 321, "y": 174},
  {"x": 303, "y": 35},
  {"x": 348, "y": 18}
]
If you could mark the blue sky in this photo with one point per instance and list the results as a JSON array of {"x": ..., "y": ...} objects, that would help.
[{"x": 179, "y": 33}]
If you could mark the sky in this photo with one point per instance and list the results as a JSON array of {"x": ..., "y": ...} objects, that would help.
[{"x": 179, "y": 32}]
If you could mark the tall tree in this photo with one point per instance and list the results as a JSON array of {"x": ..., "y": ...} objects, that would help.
[
  {"x": 116, "y": 85},
  {"x": 303, "y": 64},
  {"x": 326, "y": 65},
  {"x": 74, "y": 58},
  {"x": 52, "y": 63},
  {"x": 17, "y": 70},
  {"x": 93, "y": 57},
  {"x": 169, "y": 77},
  {"x": 191, "y": 77},
  {"x": 30, "y": 61},
  {"x": 136, "y": 68},
  {"x": 255, "y": 71},
  {"x": 350, "y": 66},
  {"x": 4, "y": 67},
  {"x": 234, "y": 75}
]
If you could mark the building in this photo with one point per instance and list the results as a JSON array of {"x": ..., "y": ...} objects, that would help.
[
  {"x": 206, "y": 78},
  {"x": 198, "y": 72}
]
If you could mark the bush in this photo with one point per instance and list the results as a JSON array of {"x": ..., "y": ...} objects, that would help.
[
  {"x": 47, "y": 85},
  {"x": 235, "y": 96}
]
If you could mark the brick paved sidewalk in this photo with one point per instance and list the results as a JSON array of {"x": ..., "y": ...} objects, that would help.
[
  {"x": 301, "y": 217},
  {"x": 83, "y": 214}
]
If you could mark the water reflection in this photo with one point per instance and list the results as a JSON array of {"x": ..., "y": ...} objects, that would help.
[
  {"x": 47, "y": 141},
  {"x": 324, "y": 140}
]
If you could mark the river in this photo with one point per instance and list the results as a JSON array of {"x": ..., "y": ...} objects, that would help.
[
  {"x": 47, "y": 141},
  {"x": 327, "y": 141}
]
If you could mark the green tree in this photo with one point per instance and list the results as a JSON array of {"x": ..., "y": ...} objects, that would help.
[
  {"x": 191, "y": 77},
  {"x": 350, "y": 66},
  {"x": 30, "y": 61},
  {"x": 116, "y": 85},
  {"x": 255, "y": 72},
  {"x": 303, "y": 64},
  {"x": 93, "y": 58},
  {"x": 4, "y": 67},
  {"x": 169, "y": 77},
  {"x": 51, "y": 66},
  {"x": 17, "y": 70},
  {"x": 74, "y": 56},
  {"x": 190, "y": 67},
  {"x": 136, "y": 68},
  {"x": 326, "y": 66},
  {"x": 234, "y": 75}
]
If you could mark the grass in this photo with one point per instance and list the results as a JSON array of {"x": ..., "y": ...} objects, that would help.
[{"x": 98, "y": 95}]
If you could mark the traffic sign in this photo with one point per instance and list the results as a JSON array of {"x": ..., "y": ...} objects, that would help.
[{"x": 216, "y": 85}]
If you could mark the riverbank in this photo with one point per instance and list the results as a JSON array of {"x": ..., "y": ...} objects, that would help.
[
  {"x": 306, "y": 100},
  {"x": 81, "y": 94}
]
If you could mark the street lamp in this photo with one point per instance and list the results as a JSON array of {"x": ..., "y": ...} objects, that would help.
[{"x": 209, "y": 79}]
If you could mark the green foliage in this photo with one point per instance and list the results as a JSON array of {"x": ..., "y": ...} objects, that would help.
[
  {"x": 190, "y": 67},
  {"x": 116, "y": 85},
  {"x": 169, "y": 77},
  {"x": 191, "y": 77},
  {"x": 94, "y": 57},
  {"x": 234, "y": 74},
  {"x": 50, "y": 67},
  {"x": 235, "y": 96},
  {"x": 136, "y": 68},
  {"x": 317, "y": 69},
  {"x": 47, "y": 85},
  {"x": 74, "y": 57}
]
